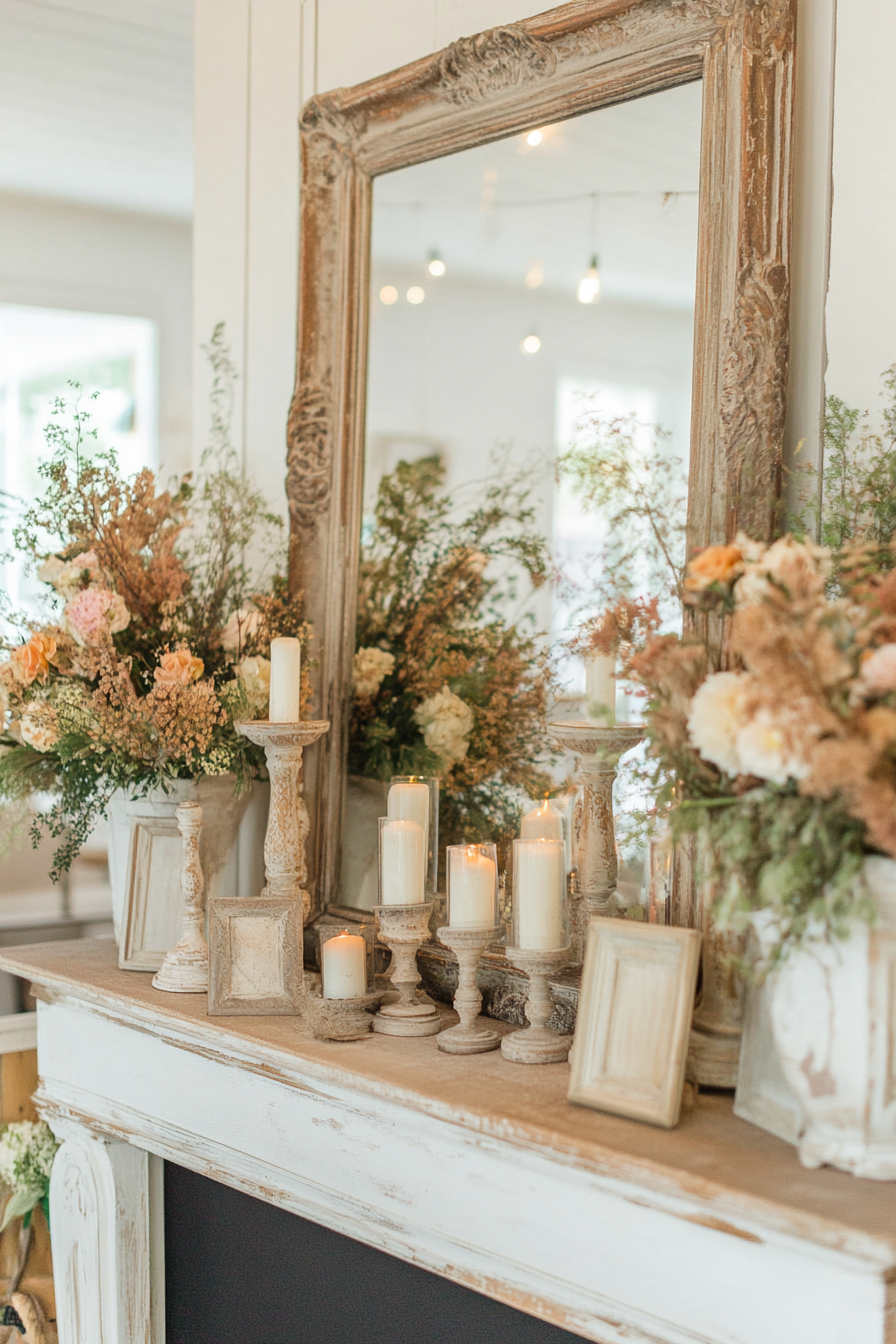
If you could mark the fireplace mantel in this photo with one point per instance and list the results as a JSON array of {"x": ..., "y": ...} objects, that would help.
[{"x": 474, "y": 1168}]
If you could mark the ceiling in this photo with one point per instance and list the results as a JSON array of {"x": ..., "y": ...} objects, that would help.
[
  {"x": 96, "y": 102},
  {"x": 621, "y": 182}
]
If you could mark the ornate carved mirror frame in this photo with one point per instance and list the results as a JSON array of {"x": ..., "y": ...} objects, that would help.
[{"x": 570, "y": 60}]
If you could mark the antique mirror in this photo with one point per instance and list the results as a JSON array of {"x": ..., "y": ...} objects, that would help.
[{"x": 458, "y": 216}]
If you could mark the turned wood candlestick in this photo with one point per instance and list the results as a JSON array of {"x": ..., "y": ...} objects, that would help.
[
  {"x": 404, "y": 927},
  {"x": 597, "y": 749},
  {"x": 469, "y": 1037},
  {"x": 185, "y": 968},
  {"x": 285, "y": 869},
  {"x": 537, "y": 1043}
]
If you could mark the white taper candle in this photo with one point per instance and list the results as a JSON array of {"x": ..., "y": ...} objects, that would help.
[{"x": 286, "y": 681}]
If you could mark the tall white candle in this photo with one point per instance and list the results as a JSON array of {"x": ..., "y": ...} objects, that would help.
[
  {"x": 600, "y": 682},
  {"x": 286, "y": 681},
  {"x": 344, "y": 967},
  {"x": 539, "y": 878},
  {"x": 410, "y": 802},
  {"x": 472, "y": 879},
  {"x": 542, "y": 823},
  {"x": 403, "y": 862}
]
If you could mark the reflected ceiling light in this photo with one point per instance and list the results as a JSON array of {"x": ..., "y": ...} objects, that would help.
[
  {"x": 388, "y": 294},
  {"x": 535, "y": 274},
  {"x": 531, "y": 344},
  {"x": 534, "y": 138},
  {"x": 436, "y": 265},
  {"x": 589, "y": 285},
  {"x": 415, "y": 294}
]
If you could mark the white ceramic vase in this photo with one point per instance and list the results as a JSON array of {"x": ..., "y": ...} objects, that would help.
[
  {"x": 222, "y": 813},
  {"x": 819, "y": 1063}
]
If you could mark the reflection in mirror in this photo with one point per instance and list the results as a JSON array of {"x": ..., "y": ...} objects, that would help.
[{"x": 526, "y": 295}]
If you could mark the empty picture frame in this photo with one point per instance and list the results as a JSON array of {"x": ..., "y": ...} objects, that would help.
[
  {"x": 634, "y": 1019},
  {"x": 254, "y": 956},
  {"x": 153, "y": 902}
]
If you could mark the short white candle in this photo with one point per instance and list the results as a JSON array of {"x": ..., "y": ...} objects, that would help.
[
  {"x": 404, "y": 863},
  {"x": 410, "y": 802},
  {"x": 600, "y": 682},
  {"x": 542, "y": 823},
  {"x": 538, "y": 892},
  {"x": 472, "y": 879},
  {"x": 344, "y": 967},
  {"x": 286, "y": 681}
]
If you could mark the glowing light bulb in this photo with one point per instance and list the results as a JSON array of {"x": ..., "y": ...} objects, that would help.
[
  {"x": 589, "y": 285},
  {"x": 535, "y": 275},
  {"x": 415, "y": 294},
  {"x": 534, "y": 138},
  {"x": 436, "y": 265},
  {"x": 531, "y": 344},
  {"x": 388, "y": 294}
]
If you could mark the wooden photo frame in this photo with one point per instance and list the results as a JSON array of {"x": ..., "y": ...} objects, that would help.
[
  {"x": 634, "y": 1019},
  {"x": 254, "y": 956},
  {"x": 153, "y": 901}
]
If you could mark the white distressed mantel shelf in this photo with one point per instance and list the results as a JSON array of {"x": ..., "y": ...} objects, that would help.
[{"x": 472, "y": 1167}]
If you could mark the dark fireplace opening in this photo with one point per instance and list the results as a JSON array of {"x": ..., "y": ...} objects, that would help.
[{"x": 237, "y": 1268}]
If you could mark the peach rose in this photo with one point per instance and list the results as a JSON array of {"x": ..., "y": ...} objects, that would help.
[
  {"x": 716, "y": 564},
  {"x": 878, "y": 669},
  {"x": 179, "y": 666},
  {"x": 31, "y": 662}
]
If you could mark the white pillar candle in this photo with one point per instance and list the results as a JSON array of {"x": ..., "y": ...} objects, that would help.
[
  {"x": 600, "y": 682},
  {"x": 472, "y": 879},
  {"x": 404, "y": 863},
  {"x": 538, "y": 891},
  {"x": 410, "y": 802},
  {"x": 344, "y": 966},
  {"x": 542, "y": 823},
  {"x": 286, "y": 681}
]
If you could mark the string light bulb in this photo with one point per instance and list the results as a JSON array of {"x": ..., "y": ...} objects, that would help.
[
  {"x": 436, "y": 265},
  {"x": 531, "y": 344},
  {"x": 415, "y": 294},
  {"x": 534, "y": 138},
  {"x": 589, "y": 285}
]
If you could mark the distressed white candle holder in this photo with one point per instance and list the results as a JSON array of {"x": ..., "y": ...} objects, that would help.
[
  {"x": 185, "y": 968},
  {"x": 344, "y": 1019},
  {"x": 469, "y": 1037},
  {"x": 285, "y": 869},
  {"x": 404, "y": 928},
  {"x": 597, "y": 750},
  {"x": 538, "y": 1043}
]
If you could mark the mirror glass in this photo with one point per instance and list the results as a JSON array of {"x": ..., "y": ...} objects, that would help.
[{"x": 521, "y": 290}]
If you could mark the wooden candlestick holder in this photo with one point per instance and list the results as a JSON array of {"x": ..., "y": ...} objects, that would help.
[
  {"x": 404, "y": 927},
  {"x": 344, "y": 1019},
  {"x": 468, "y": 1037},
  {"x": 285, "y": 869},
  {"x": 537, "y": 1043},
  {"x": 185, "y": 968}
]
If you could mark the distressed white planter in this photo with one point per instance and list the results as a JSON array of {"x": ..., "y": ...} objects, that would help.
[
  {"x": 831, "y": 1074},
  {"x": 222, "y": 814}
]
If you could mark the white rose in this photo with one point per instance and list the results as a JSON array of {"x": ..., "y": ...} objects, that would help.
[
  {"x": 797, "y": 566},
  {"x": 716, "y": 717},
  {"x": 447, "y": 722},
  {"x": 369, "y": 669},
  {"x": 255, "y": 674},
  {"x": 241, "y": 626},
  {"x": 764, "y": 749}
]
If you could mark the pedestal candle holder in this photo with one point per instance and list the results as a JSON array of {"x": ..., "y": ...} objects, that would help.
[
  {"x": 404, "y": 927},
  {"x": 285, "y": 869},
  {"x": 597, "y": 749},
  {"x": 469, "y": 1037},
  {"x": 538, "y": 1043},
  {"x": 185, "y": 968}
]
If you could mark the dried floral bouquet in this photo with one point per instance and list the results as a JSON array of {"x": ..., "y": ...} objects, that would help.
[{"x": 156, "y": 633}]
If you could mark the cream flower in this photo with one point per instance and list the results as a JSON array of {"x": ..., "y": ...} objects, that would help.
[
  {"x": 765, "y": 749},
  {"x": 878, "y": 670},
  {"x": 255, "y": 674},
  {"x": 716, "y": 717},
  {"x": 94, "y": 611},
  {"x": 67, "y": 577},
  {"x": 179, "y": 666},
  {"x": 447, "y": 722},
  {"x": 241, "y": 626},
  {"x": 38, "y": 726},
  {"x": 369, "y": 668},
  {"x": 800, "y": 567}
]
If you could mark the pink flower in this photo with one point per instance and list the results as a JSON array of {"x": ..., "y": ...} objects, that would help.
[
  {"x": 878, "y": 671},
  {"x": 95, "y": 610}
]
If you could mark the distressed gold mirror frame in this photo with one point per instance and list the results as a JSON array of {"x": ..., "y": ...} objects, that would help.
[{"x": 571, "y": 60}]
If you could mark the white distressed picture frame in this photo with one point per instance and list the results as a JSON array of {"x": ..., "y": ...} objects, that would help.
[
  {"x": 634, "y": 1019},
  {"x": 255, "y": 956},
  {"x": 152, "y": 906}
]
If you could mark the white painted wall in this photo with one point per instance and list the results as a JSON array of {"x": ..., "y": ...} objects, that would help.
[{"x": 60, "y": 255}]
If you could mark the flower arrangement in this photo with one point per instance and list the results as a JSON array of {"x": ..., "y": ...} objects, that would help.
[
  {"x": 443, "y": 683},
  {"x": 27, "y": 1150},
  {"x": 156, "y": 631}
]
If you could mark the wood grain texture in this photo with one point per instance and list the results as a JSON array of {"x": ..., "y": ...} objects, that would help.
[{"x": 559, "y": 64}]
